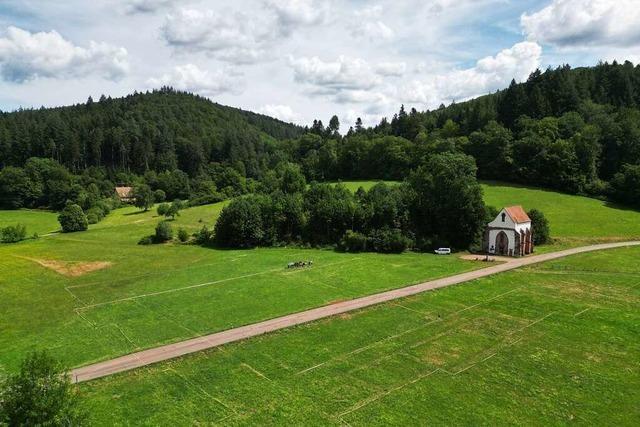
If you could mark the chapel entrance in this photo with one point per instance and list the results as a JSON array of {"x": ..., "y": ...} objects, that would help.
[{"x": 502, "y": 243}]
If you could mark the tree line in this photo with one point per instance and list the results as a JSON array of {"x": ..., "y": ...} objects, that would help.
[
  {"x": 417, "y": 214},
  {"x": 573, "y": 130}
]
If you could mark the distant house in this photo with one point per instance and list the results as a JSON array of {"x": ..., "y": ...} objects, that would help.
[
  {"x": 510, "y": 234},
  {"x": 125, "y": 194}
]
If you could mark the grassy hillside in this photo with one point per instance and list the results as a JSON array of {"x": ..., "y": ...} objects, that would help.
[
  {"x": 41, "y": 222},
  {"x": 572, "y": 218},
  {"x": 557, "y": 339}
]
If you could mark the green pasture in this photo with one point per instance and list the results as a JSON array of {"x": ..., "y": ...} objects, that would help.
[
  {"x": 152, "y": 295},
  {"x": 36, "y": 221},
  {"x": 572, "y": 218},
  {"x": 553, "y": 344}
]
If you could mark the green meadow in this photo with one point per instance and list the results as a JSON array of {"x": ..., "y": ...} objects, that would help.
[
  {"x": 572, "y": 218},
  {"x": 98, "y": 294},
  {"x": 40, "y": 222},
  {"x": 552, "y": 344}
]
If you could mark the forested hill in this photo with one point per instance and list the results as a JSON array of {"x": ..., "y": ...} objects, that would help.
[
  {"x": 159, "y": 130},
  {"x": 551, "y": 93}
]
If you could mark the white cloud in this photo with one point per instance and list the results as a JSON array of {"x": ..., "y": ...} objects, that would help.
[
  {"x": 391, "y": 69},
  {"x": 294, "y": 13},
  {"x": 282, "y": 112},
  {"x": 582, "y": 23},
  {"x": 231, "y": 37},
  {"x": 191, "y": 78},
  {"x": 26, "y": 56},
  {"x": 489, "y": 74},
  {"x": 344, "y": 74},
  {"x": 146, "y": 6},
  {"x": 367, "y": 24}
]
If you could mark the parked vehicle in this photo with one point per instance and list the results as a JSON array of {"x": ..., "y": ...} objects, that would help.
[{"x": 443, "y": 251}]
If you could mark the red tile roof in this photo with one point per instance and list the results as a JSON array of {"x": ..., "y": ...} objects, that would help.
[{"x": 517, "y": 214}]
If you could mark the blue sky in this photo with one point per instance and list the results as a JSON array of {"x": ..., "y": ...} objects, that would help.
[{"x": 301, "y": 59}]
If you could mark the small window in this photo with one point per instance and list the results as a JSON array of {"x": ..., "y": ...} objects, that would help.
[{"x": 504, "y": 216}]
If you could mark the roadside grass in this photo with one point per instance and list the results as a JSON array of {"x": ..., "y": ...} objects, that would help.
[
  {"x": 532, "y": 346},
  {"x": 146, "y": 296},
  {"x": 36, "y": 221}
]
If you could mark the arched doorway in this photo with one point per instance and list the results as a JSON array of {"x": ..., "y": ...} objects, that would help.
[{"x": 502, "y": 243}]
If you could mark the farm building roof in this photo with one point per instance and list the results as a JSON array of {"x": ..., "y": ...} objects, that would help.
[{"x": 124, "y": 192}]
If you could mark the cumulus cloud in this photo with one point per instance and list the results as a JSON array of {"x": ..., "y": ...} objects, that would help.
[
  {"x": 146, "y": 6},
  {"x": 489, "y": 74},
  {"x": 191, "y": 78},
  {"x": 231, "y": 37},
  {"x": 367, "y": 24},
  {"x": 26, "y": 56},
  {"x": 294, "y": 13},
  {"x": 282, "y": 112},
  {"x": 576, "y": 23},
  {"x": 391, "y": 69}
]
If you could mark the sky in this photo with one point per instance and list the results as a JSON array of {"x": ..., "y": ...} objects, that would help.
[{"x": 300, "y": 60}]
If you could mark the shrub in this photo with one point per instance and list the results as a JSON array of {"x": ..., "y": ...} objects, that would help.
[
  {"x": 163, "y": 209},
  {"x": 183, "y": 235},
  {"x": 159, "y": 196},
  {"x": 206, "y": 200},
  {"x": 72, "y": 218},
  {"x": 389, "y": 241},
  {"x": 540, "y": 226},
  {"x": 164, "y": 232},
  {"x": 146, "y": 240},
  {"x": 13, "y": 233},
  {"x": 353, "y": 242},
  {"x": 40, "y": 394},
  {"x": 95, "y": 215},
  {"x": 204, "y": 236}
]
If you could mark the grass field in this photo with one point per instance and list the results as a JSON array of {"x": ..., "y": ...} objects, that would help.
[
  {"x": 132, "y": 297},
  {"x": 41, "y": 222},
  {"x": 548, "y": 345},
  {"x": 572, "y": 218},
  {"x": 95, "y": 295}
]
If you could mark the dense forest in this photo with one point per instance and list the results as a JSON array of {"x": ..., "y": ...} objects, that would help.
[{"x": 573, "y": 130}]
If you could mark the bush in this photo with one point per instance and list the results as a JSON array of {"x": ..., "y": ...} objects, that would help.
[
  {"x": 95, "y": 215},
  {"x": 389, "y": 241},
  {"x": 40, "y": 394},
  {"x": 164, "y": 232},
  {"x": 540, "y": 226},
  {"x": 204, "y": 236},
  {"x": 206, "y": 200},
  {"x": 353, "y": 242},
  {"x": 159, "y": 196},
  {"x": 13, "y": 233},
  {"x": 146, "y": 240},
  {"x": 163, "y": 209},
  {"x": 183, "y": 235},
  {"x": 72, "y": 218}
]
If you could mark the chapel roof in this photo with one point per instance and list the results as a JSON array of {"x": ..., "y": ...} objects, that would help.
[{"x": 517, "y": 214}]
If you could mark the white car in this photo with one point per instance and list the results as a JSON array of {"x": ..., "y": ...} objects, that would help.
[{"x": 443, "y": 251}]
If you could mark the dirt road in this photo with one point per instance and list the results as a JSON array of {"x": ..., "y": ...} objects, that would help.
[{"x": 158, "y": 354}]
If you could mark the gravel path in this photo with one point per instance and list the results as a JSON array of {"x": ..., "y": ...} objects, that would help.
[{"x": 166, "y": 352}]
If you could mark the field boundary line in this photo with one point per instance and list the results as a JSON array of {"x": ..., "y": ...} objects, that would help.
[
  {"x": 193, "y": 345},
  {"x": 199, "y": 285}
]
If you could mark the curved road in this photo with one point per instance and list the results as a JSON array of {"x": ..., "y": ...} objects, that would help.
[{"x": 158, "y": 354}]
